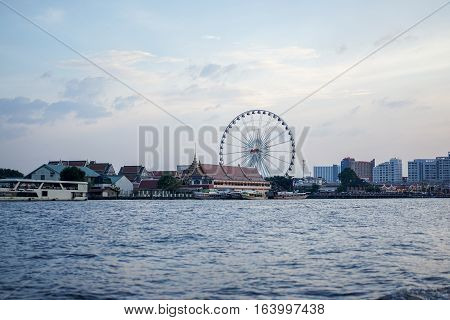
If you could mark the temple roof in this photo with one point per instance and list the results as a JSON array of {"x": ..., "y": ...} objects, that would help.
[{"x": 220, "y": 172}]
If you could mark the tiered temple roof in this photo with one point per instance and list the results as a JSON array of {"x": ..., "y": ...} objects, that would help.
[{"x": 221, "y": 172}]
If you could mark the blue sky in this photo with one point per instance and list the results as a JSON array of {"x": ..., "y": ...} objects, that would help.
[{"x": 207, "y": 61}]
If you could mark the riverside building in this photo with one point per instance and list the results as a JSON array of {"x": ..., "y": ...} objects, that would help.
[
  {"x": 328, "y": 173},
  {"x": 363, "y": 169},
  {"x": 388, "y": 172}
]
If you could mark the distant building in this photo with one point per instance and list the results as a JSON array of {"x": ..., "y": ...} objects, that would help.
[
  {"x": 328, "y": 173},
  {"x": 53, "y": 172},
  {"x": 70, "y": 163},
  {"x": 363, "y": 169},
  {"x": 388, "y": 172},
  {"x": 111, "y": 186},
  {"x": 134, "y": 173},
  {"x": 214, "y": 176},
  {"x": 159, "y": 174},
  {"x": 307, "y": 182},
  {"x": 420, "y": 170},
  {"x": 429, "y": 170},
  {"x": 103, "y": 169}
]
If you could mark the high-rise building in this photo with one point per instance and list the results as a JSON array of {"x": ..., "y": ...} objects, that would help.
[
  {"x": 388, "y": 172},
  {"x": 328, "y": 173},
  {"x": 363, "y": 169},
  {"x": 422, "y": 170},
  {"x": 429, "y": 170},
  {"x": 443, "y": 168}
]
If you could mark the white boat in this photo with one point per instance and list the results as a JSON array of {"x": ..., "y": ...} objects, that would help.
[
  {"x": 290, "y": 195},
  {"x": 252, "y": 195},
  {"x": 26, "y": 189},
  {"x": 207, "y": 194}
]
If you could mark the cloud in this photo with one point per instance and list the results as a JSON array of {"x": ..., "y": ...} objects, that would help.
[
  {"x": 46, "y": 75},
  {"x": 210, "y": 37},
  {"x": 341, "y": 49},
  {"x": 210, "y": 70},
  {"x": 394, "y": 104},
  {"x": 266, "y": 55},
  {"x": 355, "y": 110},
  {"x": 51, "y": 16},
  {"x": 87, "y": 89},
  {"x": 121, "y": 103},
  {"x": 22, "y": 110},
  {"x": 112, "y": 58},
  {"x": 215, "y": 107}
]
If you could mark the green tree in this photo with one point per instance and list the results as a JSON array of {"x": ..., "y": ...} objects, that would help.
[
  {"x": 168, "y": 182},
  {"x": 280, "y": 183},
  {"x": 349, "y": 178},
  {"x": 72, "y": 174},
  {"x": 315, "y": 188},
  {"x": 10, "y": 173}
]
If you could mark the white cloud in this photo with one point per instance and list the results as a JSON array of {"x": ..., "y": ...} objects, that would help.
[
  {"x": 51, "y": 16},
  {"x": 210, "y": 37}
]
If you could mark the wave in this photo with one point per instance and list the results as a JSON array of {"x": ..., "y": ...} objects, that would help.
[{"x": 419, "y": 294}]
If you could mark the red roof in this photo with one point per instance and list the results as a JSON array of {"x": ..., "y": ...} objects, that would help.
[
  {"x": 70, "y": 163},
  {"x": 236, "y": 173},
  {"x": 148, "y": 184},
  {"x": 99, "y": 167}
]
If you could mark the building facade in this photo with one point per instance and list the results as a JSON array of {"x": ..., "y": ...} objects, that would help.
[
  {"x": 328, "y": 173},
  {"x": 230, "y": 178},
  {"x": 388, "y": 172},
  {"x": 53, "y": 172},
  {"x": 363, "y": 169},
  {"x": 429, "y": 170}
]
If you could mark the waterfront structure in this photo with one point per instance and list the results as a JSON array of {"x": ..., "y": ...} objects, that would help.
[
  {"x": 53, "y": 172},
  {"x": 29, "y": 189},
  {"x": 220, "y": 177},
  {"x": 307, "y": 182},
  {"x": 134, "y": 173},
  {"x": 388, "y": 172},
  {"x": 111, "y": 186},
  {"x": 429, "y": 170},
  {"x": 328, "y": 173},
  {"x": 363, "y": 169}
]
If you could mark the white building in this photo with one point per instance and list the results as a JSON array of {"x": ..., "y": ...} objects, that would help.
[
  {"x": 388, "y": 172},
  {"x": 429, "y": 170},
  {"x": 53, "y": 172},
  {"x": 104, "y": 186}
]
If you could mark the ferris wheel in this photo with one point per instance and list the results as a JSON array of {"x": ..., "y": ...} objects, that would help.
[{"x": 260, "y": 139}]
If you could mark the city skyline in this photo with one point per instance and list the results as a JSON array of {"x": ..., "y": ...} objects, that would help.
[{"x": 205, "y": 67}]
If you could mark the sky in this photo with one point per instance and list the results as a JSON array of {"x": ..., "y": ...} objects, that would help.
[{"x": 205, "y": 62}]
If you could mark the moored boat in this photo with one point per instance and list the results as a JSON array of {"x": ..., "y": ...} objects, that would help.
[
  {"x": 252, "y": 195},
  {"x": 27, "y": 189},
  {"x": 290, "y": 195}
]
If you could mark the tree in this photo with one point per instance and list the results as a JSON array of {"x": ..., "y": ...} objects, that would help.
[
  {"x": 280, "y": 183},
  {"x": 349, "y": 178},
  {"x": 10, "y": 173},
  {"x": 168, "y": 182},
  {"x": 315, "y": 188},
  {"x": 72, "y": 174}
]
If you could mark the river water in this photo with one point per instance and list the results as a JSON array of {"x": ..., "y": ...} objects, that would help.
[{"x": 188, "y": 249}]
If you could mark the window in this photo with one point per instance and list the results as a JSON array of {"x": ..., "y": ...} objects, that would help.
[
  {"x": 45, "y": 193},
  {"x": 51, "y": 185},
  {"x": 42, "y": 176}
]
